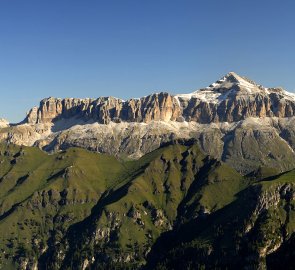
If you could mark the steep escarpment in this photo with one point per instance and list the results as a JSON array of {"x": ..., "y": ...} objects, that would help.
[
  {"x": 240, "y": 106},
  {"x": 234, "y": 98},
  {"x": 159, "y": 107},
  {"x": 231, "y": 99}
]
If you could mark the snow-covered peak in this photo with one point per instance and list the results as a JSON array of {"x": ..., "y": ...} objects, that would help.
[
  {"x": 229, "y": 85},
  {"x": 232, "y": 85},
  {"x": 232, "y": 80},
  {"x": 230, "y": 77}
]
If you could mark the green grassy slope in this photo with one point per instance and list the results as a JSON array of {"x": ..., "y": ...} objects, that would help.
[
  {"x": 174, "y": 208},
  {"x": 243, "y": 234},
  {"x": 129, "y": 218},
  {"x": 37, "y": 191}
]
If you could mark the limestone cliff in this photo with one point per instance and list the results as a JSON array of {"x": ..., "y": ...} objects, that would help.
[
  {"x": 159, "y": 107},
  {"x": 230, "y": 99}
]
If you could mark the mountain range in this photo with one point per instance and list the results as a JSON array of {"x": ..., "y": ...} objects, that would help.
[
  {"x": 191, "y": 181},
  {"x": 235, "y": 120}
]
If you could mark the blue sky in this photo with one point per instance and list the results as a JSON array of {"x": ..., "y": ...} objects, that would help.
[{"x": 71, "y": 48}]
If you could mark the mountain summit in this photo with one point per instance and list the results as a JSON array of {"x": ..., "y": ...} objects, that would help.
[
  {"x": 232, "y": 85},
  {"x": 230, "y": 79}
]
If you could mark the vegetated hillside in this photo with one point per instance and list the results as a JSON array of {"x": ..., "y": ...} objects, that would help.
[
  {"x": 173, "y": 208},
  {"x": 42, "y": 195},
  {"x": 254, "y": 231}
]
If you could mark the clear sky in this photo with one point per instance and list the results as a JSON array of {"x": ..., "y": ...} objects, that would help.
[{"x": 124, "y": 48}]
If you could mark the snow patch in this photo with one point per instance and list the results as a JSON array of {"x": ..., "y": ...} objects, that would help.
[{"x": 289, "y": 96}]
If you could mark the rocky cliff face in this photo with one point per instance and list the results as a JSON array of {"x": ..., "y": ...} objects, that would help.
[
  {"x": 234, "y": 98},
  {"x": 159, "y": 107},
  {"x": 230, "y": 99}
]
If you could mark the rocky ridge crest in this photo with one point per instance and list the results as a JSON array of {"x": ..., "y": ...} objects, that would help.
[{"x": 230, "y": 99}]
